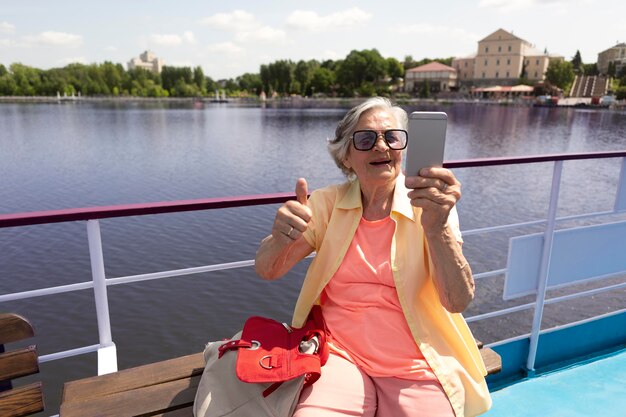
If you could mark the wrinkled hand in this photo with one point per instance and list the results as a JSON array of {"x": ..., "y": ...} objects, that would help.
[
  {"x": 293, "y": 217},
  {"x": 435, "y": 191}
]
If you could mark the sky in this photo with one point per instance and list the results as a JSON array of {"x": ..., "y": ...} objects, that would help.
[{"x": 228, "y": 38}]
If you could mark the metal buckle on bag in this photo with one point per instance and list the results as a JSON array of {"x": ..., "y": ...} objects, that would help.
[
  {"x": 269, "y": 366},
  {"x": 255, "y": 344}
]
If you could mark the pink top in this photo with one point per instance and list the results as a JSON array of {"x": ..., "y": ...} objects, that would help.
[{"x": 362, "y": 310}]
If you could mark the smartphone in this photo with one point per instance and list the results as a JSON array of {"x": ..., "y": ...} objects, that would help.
[{"x": 427, "y": 139}]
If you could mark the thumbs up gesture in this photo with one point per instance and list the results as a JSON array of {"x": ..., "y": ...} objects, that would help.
[{"x": 293, "y": 217}]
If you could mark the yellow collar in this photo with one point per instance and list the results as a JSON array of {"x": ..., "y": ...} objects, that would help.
[{"x": 400, "y": 204}]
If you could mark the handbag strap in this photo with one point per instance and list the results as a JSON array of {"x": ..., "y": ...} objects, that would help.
[{"x": 235, "y": 344}]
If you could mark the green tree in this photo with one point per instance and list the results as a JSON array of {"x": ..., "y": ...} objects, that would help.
[
  {"x": 199, "y": 80},
  {"x": 424, "y": 91},
  {"x": 590, "y": 69},
  {"x": 8, "y": 87},
  {"x": 577, "y": 62},
  {"x": 303, "y": 73},
  {"x": 395, "y": 69},
  {"x": 264, "y": 73},
  {"x": 409, "y": 62},
  {"x": 560, "y": 74},
  {"x": 3, "y": 70},
  {"x": 250, "y": 83},
  {"x": 611, "y": 70},
  {"x": 281, "y": 76},
  {"x": 360, "y": 67},
  {"x": 27, "y": 79},
  {"x": 322, "y": 81}
]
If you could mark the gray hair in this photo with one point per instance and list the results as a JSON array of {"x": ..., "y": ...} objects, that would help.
[{"x": 339, "y": 146}]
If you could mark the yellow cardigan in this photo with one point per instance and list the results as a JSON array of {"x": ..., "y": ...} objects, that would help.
[{"x": 443, "y": 337}]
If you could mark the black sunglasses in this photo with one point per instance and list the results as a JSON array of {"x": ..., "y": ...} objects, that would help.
[{"x": 364, "y": 140}]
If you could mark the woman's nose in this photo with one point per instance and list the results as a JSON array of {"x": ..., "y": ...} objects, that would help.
[{"x": 381, "y": 143}]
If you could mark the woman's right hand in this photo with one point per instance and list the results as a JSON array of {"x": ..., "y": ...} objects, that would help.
[
  {"x": 285, "y": 247},
  {"x": 293, "y": 217}
]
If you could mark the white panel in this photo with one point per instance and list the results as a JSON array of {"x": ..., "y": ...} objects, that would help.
[{"x": 578, "y": 254}]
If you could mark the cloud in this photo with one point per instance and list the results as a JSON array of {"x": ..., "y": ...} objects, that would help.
[
  {"x": 7, "y": 42},
  {"x": 263, "y": 34},
  {"x": 330, "y": 54},
  {"x": 111, "y": 48},
  {"x": 426, "y": 29},
  {"x": 515, "y": 5},
  {"x": 55, "y": 38},
  {"x": 189, "y": 37},
  {"x": 224, "y": 47},
  {"x": 185, "y": 63},
  {"x": 165, "y": 40},
  {"x": 172, "y": 39},
  {"x": 308, "y": 20},
  {"x": 6, "y": 28},
  {"x": 72, "y": 60},
  {"x": 238, "y": 20}
]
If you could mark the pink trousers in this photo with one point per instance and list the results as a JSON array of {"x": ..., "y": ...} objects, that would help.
[{"x": 345, "y": 390}]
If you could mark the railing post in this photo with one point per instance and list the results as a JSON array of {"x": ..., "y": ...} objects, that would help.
[
  {"x": 620, "y": 197},
  {"x": 107, "y": 352},
  {"x": 544, "y": 266}
]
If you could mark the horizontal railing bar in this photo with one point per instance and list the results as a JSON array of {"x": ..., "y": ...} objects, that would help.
[
  {"x": 585, "y": 293},
  {"x": 532, "y": 159},
  {"x": 184, "y": 271},
  {"x": 502, "y": 312},
  {"x": 68, "y": 353},
  {"x": 553, "y": 300},
  {"x": 489, "y": 273},
  {"x": 105, "y": 212},
  {"x": 91, "y": 213},
  {"x": 490, "y": 229},
  {"x": 46, "y": 291},
  {"x": 179, "y": 272}
]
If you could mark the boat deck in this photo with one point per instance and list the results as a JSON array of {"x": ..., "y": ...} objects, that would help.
[{"x": 592, "y": 388}]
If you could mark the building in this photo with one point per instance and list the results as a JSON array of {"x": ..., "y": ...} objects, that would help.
[
  {"x": 147, "y": 61},
  {"x": 439, "y": 77},
  {"x": 502, "y": 59},
  {"x": 616, "y": 54}
]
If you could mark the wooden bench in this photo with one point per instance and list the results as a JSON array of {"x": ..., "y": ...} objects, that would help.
[
  {"x": 165, "y": 389},
  {"x": 28, "y": 399}
]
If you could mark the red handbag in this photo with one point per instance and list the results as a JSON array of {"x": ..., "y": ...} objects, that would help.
[{"x": 269, "y": 351}]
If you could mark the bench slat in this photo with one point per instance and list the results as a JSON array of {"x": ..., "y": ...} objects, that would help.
[
  {"x": 146, "y": 401},
  {"x": 21, "y": 401},
  {"x": 130, "y": 379},
  {"x": 14, "y": 327},
  {"x": 492, "y": 360},
  {"x": 181, "y": 412},
  {"x": 18, "y": 363}
]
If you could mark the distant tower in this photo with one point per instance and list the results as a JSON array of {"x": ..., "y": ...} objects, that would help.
[{"x": 147, "y": 60}]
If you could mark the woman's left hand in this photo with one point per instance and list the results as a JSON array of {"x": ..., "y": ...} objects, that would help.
[{"x": 435, "y": 191}]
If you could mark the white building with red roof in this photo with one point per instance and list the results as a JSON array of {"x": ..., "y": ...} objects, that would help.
[{"x": 437, "y": 76}]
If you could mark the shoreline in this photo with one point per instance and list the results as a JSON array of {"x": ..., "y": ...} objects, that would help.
[{"x": 295, "y": 102}]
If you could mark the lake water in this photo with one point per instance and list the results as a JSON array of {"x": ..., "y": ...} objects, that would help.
[{"x": 55, "y": 156}]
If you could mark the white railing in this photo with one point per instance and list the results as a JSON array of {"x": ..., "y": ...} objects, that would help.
[{"x": 107, "y": 356}]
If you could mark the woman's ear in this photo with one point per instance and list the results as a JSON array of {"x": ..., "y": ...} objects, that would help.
[{"x": 346, "y": 163}]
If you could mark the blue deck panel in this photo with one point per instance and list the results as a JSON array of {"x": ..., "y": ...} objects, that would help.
[{"x": 595, "y": 388}]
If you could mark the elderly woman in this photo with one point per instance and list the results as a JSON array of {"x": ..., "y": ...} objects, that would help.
[{"x": 389, "y": 275}]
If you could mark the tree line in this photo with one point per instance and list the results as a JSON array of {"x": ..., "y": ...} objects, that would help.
[{"x": 363, "y": 73}]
